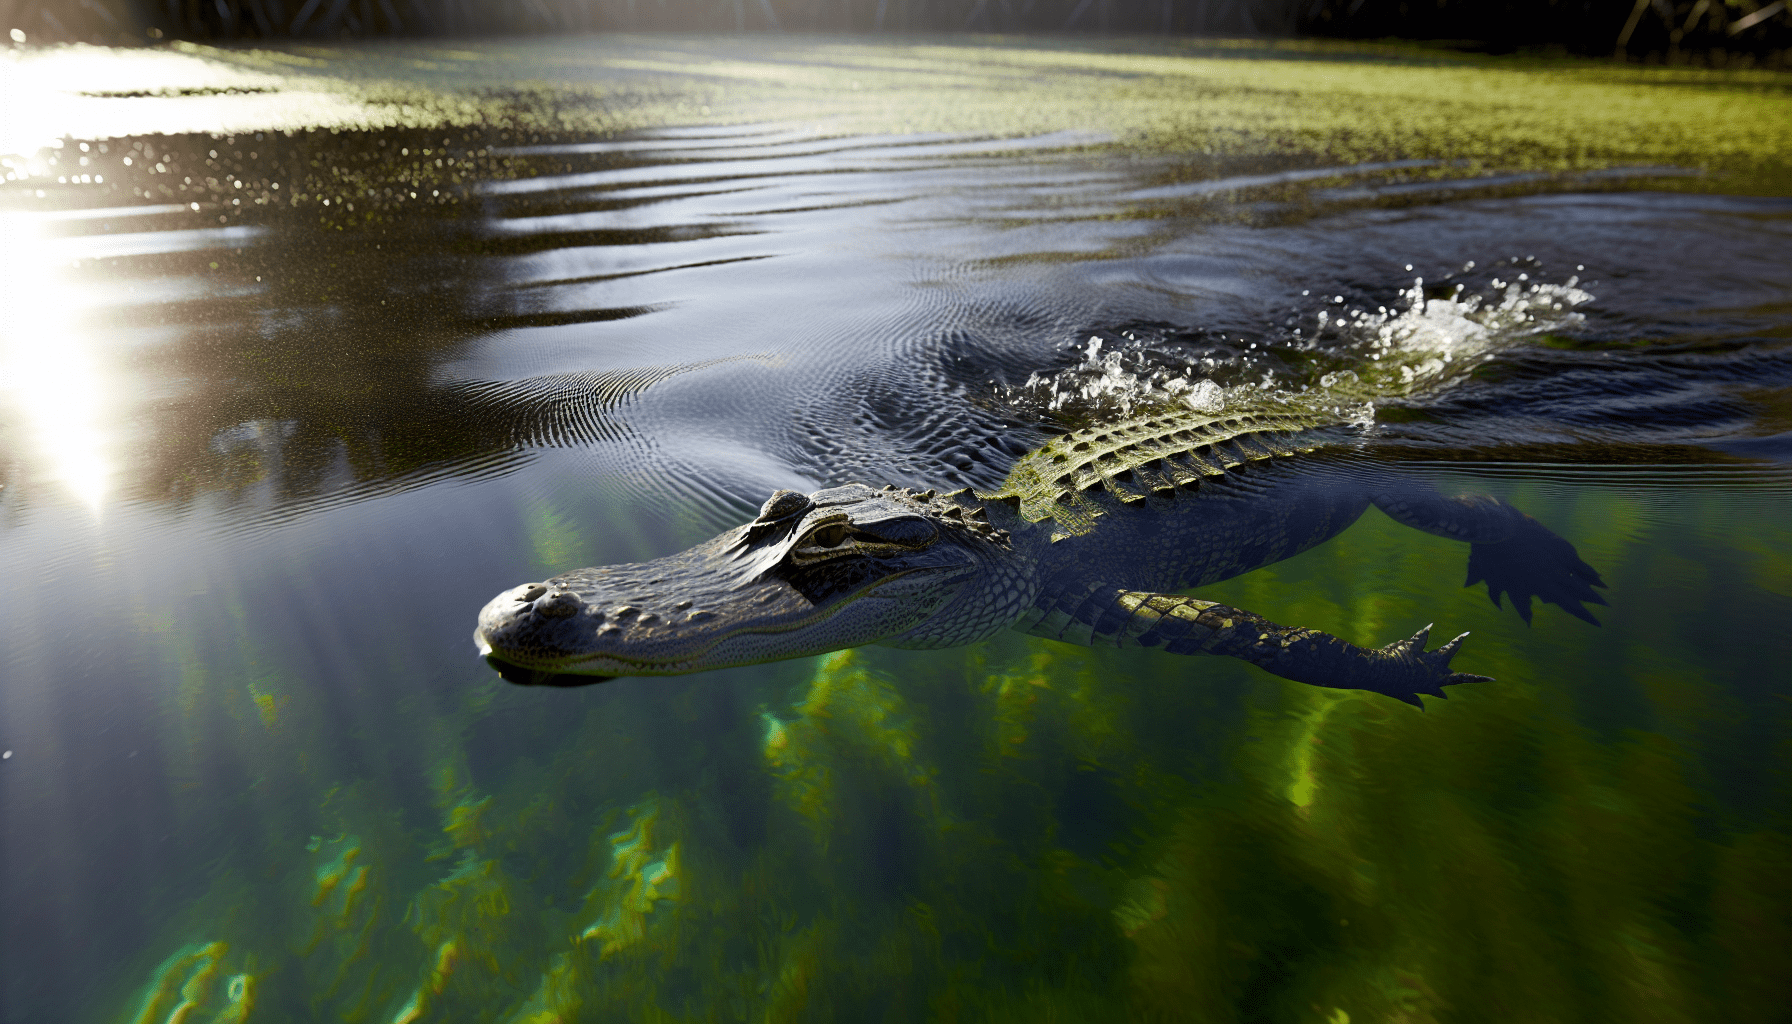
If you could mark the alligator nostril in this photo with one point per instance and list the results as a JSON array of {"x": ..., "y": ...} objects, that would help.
[
  {"x": 558, "y": 606},
  {"x": 532, "y": 593}
]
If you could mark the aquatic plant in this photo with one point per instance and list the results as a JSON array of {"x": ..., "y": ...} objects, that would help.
[
  {"x": 944, "y": 853},
  {"x": 189, "y": 989},
  {"x": 641, "y": 874}
]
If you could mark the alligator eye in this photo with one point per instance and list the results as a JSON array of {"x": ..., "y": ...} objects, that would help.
[
  {"x": 830, "y": 536},
  {"x": 902, "y": 533}
]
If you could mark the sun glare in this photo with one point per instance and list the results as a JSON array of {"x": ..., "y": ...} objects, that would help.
[
  {"x": 48, "y": 369},
  {"x": 94, "y": 92}
]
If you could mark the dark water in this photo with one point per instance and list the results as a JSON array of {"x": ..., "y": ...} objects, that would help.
[{"x": 263, "y": 463}]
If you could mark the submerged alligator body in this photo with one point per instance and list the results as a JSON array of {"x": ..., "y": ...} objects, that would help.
[{"x": 1087, "y": 541}]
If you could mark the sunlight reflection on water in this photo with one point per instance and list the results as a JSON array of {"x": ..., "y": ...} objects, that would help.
[
  {"x": 50, "y": 369},
  {"x": 94, "y": 92}
]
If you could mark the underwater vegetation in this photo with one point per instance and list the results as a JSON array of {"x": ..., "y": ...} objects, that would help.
[{"x": 1026, "y": 830}]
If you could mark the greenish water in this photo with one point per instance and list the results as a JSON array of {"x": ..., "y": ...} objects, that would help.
[
  {"x": 263, "y": 461},
  {"x": 1027, "y": 829}
]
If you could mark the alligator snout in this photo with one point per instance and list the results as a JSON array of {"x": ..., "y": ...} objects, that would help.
[
  {"x": 551, "y": 604},
  {"x": 538, "y": 599},
  {"x": 536, "y": 622},
  {"x": 722, "y": 603},
  {"x": 567, "y": 620}
]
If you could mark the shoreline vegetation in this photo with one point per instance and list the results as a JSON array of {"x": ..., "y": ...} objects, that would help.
[{"x": 1707, "y": 33}]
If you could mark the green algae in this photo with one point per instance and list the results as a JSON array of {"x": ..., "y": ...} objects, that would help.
[
  {"x": 1207, "y": 103},
  {"x": 1191, "y": 110}
]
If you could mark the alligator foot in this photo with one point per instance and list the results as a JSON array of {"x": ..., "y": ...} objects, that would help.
[
  {"x": 1514, "y": 553},
  {"x": 1535, "y": 562},
  {"x": 1409, "y": 670},
  {"x": 1189, "y": 625}
]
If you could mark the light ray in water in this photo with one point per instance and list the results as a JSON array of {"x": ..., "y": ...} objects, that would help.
[{"x": 48, "y": 367}]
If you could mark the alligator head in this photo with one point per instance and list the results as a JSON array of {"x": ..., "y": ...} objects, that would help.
[{"x": 813, "y": 573}]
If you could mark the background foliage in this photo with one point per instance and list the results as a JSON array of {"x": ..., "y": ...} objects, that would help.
[{"x": 1713, "y": 31}]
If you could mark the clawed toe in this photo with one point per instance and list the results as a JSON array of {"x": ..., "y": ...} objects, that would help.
[
  {"x": 1536, "y": 564},
  {"x": 1425, "y": 672}
]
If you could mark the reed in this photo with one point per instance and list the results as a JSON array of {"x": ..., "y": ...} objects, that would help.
[{"x": 1668, "y": 29}]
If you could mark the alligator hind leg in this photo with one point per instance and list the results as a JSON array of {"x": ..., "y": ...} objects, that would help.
[
  {"x": 1512, "y": 552},
  {"x": 1188, "y": 625}
]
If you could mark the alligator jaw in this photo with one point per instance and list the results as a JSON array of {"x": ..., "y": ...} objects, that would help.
[
  {"x": 597, "y": 624},
  {"x": 539, "y": 677},
  {"x": 842, "y": 567}
]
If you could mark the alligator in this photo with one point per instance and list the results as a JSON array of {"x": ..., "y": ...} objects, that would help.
[{"x": 1088, "y": 540}]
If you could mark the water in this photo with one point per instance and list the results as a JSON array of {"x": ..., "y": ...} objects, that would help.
[{"x": 263, "y": 462}]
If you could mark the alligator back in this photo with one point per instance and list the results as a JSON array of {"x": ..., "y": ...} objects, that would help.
[{"x": 1153, "y": 454}]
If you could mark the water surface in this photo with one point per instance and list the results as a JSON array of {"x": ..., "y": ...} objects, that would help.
[{"x": 264, "y": 458}]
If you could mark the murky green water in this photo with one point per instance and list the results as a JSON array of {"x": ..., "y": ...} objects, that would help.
[{"x": 264, "y": 457}]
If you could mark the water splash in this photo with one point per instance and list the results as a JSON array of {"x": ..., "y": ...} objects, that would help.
[{"x": 1337, "y": 361}]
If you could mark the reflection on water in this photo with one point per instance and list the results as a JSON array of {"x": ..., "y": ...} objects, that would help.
[
  {"x": 50, "y": 369},
  {"x": 258, "y": 771}
]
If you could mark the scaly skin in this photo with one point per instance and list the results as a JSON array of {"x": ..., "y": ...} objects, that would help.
[{"x": 1084, "y": 542}]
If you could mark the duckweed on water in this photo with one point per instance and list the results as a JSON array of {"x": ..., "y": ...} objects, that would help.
[{"x": 1213, "y": 107}]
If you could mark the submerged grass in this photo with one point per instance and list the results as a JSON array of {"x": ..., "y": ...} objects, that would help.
[{"x": 1026, "y": 830}]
